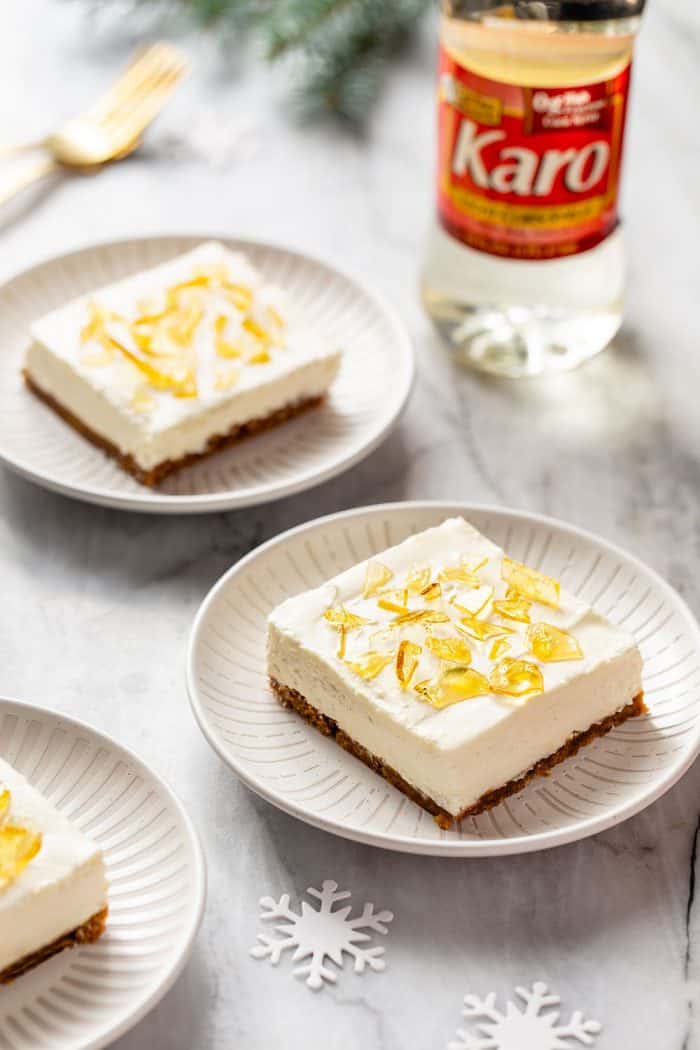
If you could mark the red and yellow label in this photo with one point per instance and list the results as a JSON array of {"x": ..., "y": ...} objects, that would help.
[{"x": 528, "y": 173}]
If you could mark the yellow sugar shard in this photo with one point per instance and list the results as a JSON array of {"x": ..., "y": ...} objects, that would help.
[
  {"x": 252, "y": 327},
  {"x": 482, "y": 630},
  {"x": 149, "y": 318},
  {"x": 260, "y": 357},
  {"x": 339, "y": 618},
  {"x": 418, "y": 578},
  {"x": 466, "y": 574},
  {"x": 142, "y": 340},
  {"x": 342, "y": 638},
  {"x": 453, "y": 686},
  {"x": 18, "y": 846},
  {"x": 407, "y": 661},
  {"x": 463, "y": 683},
  {"x": 455, "y": 650},
  {"x": 369, "y": 665},
  {"x": 227, "y": 350},
  {"x": 376, "y": 575},
  {"x": 5, "y": 800},
  {"x": 226, "y": 380},
  {"x": 499, "y": 647},
  {"x": 431, "y": 592},
  {"x": 516, "y": 678},
  {"x": 424, "y": 616},
  {"x": 480, "y": 607},
  {"x": 551, "y": 644},
  {"x": 397, "y": 595},
  {"x": 514, "y": 609},
  {"x": 391, "y": 606},
  {"x": 428, "y": 691},
  {"x": 175, "y": 292},
  {"x": 530, "y": 583}
]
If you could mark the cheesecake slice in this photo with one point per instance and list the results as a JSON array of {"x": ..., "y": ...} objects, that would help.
[
  {"x": 176, "y": 362},
  {"x": 452, "y": 670},
  {"x": 53, "y": 890}
]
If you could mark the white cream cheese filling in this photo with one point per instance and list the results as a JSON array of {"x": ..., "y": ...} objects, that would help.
[
  {"x": 62, "y": 887},
  {"x": 128, "y": 432}
]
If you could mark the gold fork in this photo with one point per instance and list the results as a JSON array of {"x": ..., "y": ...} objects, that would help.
[{"x": 112, "y": 127}]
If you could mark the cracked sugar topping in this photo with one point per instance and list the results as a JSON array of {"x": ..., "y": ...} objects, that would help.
[
  {"x": 455, "y": 632},
  {"x": 18, "y": 844},
  {"x": 160, "y": 339}
]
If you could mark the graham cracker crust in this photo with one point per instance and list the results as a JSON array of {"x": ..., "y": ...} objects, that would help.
[
  {"x": 155, "y": 475},
  {"x": 88, "y": 933},
  {"x": 290, "y": 698}
]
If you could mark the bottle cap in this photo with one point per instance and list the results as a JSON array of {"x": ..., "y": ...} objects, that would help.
[
  {"x": 549, "y": 10},
  {"x": 578, "y": 10}
]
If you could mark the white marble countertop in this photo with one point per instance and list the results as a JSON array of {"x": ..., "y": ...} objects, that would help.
[{"x": 97, "y": 604}]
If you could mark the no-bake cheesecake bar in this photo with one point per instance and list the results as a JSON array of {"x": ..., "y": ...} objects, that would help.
[
  {"x": 175, "y": 362},
  {"x": 452, "y": 670},
  {"x": 53, "y": 891}
]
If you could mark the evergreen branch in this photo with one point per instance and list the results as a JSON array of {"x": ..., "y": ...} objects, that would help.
[
  {"x": 345, "y": 59},
  {"x": 341, "y": 47},
  {"x": 292, "y": 22}
]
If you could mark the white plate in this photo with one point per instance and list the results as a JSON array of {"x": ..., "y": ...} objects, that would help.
[
  {"x": 293, "y": 766},
  {"x": 354, "y": 419},
  {"x": 87, "y": 997}
]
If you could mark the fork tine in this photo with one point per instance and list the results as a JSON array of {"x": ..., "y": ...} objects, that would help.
[
  {"x": 128, "y": 123},
  {"x": 150, "y": 62},
  {"x": 138, "y": 68},
  {"x": 163, "y": 78},
  {"x": 157, "y": 61}
]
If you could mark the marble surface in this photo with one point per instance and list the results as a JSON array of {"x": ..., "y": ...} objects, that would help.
[{"x": 97, "y": 604}]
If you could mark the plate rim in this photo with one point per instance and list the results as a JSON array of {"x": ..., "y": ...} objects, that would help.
[
  {"x": 199, "y": 879},
  {"x": 154, "y": 503},
  {"x": 400, "y": 843}
]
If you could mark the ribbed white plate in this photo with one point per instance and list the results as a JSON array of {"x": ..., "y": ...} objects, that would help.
[
  {"x": 86, "y": 997},
  {"x": 364, "y": 402},
  {"x": 296, "y": 768}
]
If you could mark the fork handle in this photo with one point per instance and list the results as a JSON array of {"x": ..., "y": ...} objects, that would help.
[
  {"x": 27, "y": 177},
  {"x": 20, "y": 147}
]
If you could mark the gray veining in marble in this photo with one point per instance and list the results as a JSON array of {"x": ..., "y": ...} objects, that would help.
[{"x": 97, "y": 604}]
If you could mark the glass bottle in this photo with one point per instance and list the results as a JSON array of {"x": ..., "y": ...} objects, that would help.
[{"x": 524, "y": 270}]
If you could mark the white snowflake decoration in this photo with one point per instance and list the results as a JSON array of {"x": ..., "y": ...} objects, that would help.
[
  {"x": 531, "y": 1029},
  {"x": 321, "y": 934}
]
